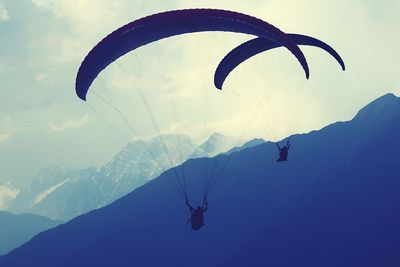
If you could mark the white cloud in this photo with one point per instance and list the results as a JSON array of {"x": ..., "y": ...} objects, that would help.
[
  {"x": 7, "y": 129},
  {"x": 4, "y": 137},
  {"x": 3, "y": 12},
  {"x": 40, "y": 76},
  {"x": 83, "y": 23},
  {"x": 88, "y": 14},
  {"x": 69, "y": 124},
  {"x": 175, "y": 75},
  {"x": 42, "y": 3},
  {"x": 7, "y": 194}
]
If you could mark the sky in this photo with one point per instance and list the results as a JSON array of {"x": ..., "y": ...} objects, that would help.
[{"x": 167, "y": 86}]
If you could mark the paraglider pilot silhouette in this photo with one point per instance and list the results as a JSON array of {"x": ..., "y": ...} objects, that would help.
[
  {"x": 197, "y": 215},
  {"x": 163, "y": 25},
  {"x": 283, "y": 151}
]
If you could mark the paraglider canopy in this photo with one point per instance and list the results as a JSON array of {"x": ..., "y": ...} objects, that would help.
[
  {"x": 258, "y": 45},
  {"x": 162, "y": 25}
]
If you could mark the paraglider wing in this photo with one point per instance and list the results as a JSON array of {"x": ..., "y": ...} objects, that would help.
[
  {"x": 258, "y": 45},
  {"x": 155, "y": 27}
]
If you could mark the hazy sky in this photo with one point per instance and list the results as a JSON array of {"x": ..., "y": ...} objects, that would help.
[{"x": 42, "y": 43}]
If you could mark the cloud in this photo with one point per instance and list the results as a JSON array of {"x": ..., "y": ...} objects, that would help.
[
  {"x": 69, "y": 124},
  {"x": 77, "y": 9},
  {"x": 7, "y": 194},
  {"x": 7, "y": 129},
  {"x": 4, "y": 137},
  {"x": 42, "y": 3},
  {"x": 3, "y": 13},
  {"x": 48, "y": 40},
  {"x": 40, "y": 76},
  {"x": 65, "y": 31}
]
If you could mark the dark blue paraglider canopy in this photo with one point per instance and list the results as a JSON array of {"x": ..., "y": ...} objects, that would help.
[
  {"x": 258, "y": 45},
  {"x": 155, "y": 27}
]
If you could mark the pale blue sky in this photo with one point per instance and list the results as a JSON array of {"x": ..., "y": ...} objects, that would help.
[{"x": 42, "y": 43}]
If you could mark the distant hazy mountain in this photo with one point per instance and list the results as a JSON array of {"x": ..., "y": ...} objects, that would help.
[
  {"x": 334, "y": 203},
  {"x": 214, "y": 145},
  {"x": 7, "y": 195},
  {"x": 49, "y": 189},
  {"x": 63, "y": 194},
  {"x": 18, "y": 229}
]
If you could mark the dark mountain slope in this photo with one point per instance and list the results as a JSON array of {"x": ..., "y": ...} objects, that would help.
[
  {"x": 335, "y": 203},
  {"x": 18, "y": 229}
]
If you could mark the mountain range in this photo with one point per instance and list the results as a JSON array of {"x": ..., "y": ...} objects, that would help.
[
  {"x": 334, "y": 203},
  {"x": 63, "y": 194}
]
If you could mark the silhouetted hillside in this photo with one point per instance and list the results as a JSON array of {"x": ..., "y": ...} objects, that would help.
[
  {"x": 334, "y": 203},
  {"x": 18, "y": 229},
  {"x": 58, "y": 193}
]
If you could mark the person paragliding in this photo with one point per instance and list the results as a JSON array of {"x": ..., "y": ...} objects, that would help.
[
  {"x": 283, "y": 151},
  {"x": 163, "y": 25},
  {"x": 197, "y": 215}
]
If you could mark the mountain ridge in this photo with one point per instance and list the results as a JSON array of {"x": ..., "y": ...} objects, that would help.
[
  {"x": 60, "y": 193},
  {"x": 18, "y": 229},
  {"x": 351, "y": 188}
]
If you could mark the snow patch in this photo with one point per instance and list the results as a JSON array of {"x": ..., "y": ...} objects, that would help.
[{"x": 44, "y": 194}]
